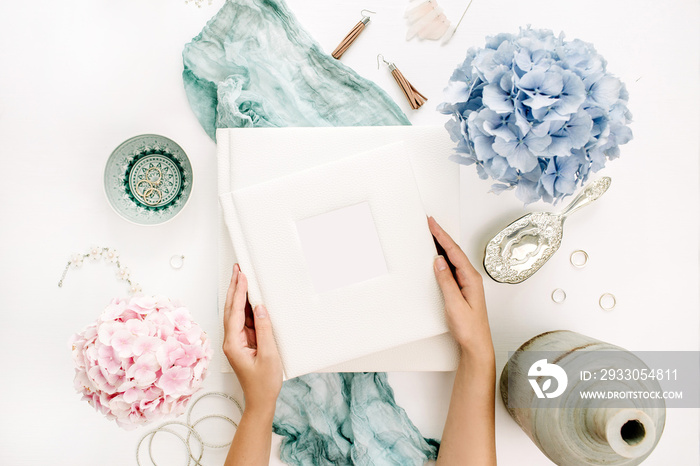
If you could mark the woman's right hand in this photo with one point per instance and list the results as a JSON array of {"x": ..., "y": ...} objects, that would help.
[
  {"x": 469, "y": 436},
  {"x": 465, "y": 304}
]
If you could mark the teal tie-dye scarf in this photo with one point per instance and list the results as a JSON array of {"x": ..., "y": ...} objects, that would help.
[{"x": 254, "y": 66}]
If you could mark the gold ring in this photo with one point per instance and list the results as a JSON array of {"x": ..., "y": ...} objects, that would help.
[
  {"x": 607, "y": 301},
  {"x": 579, "y": 258},
  {"x": 155, "y": 182},
  {"x": 149, "y": 185},
  {"x": 150, "y": 192},
  {"x": 558, "y": 295}
]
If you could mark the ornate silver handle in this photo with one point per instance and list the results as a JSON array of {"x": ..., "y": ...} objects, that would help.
[{"x": 592, "y": 192}]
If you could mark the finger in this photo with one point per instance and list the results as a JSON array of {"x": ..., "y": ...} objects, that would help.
[
  {"x": 454, "y": 252},
  {"x": 448, "y": 285},
  {"x": 250, "y": 326},
  {"x": 466, "y": 273},
  {"x": 229, "y": 294},
  {"x": 240, "y": 296},
  {"x": 249, "y": 322},
  {"x": 250, "y": 340},
  {"x": 263, "y": 333}
]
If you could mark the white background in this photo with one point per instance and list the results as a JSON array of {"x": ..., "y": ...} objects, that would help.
[{"x": 81, "y": 76}]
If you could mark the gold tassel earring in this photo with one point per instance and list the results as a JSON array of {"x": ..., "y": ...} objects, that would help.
[
  {"x": 415, "y": 98},
  {"x": 352, "y": 35}
]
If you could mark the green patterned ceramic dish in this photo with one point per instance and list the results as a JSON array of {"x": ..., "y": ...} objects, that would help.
[{"x": 148, "y": 179}]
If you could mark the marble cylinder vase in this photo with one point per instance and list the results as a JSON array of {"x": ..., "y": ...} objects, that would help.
[{"x": 570, "y": 430}]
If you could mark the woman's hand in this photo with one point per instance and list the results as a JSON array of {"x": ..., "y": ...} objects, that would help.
[
  {"x": 250, "y": 347},
  {"x": 465, "y": 304},
  {"x": 469, "y": 436}
]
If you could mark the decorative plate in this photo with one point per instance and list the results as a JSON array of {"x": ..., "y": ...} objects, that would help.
[{"x": 148, "y": 179}]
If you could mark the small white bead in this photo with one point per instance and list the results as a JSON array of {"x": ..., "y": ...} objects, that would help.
[
  {"x": 123, "y": 273},
  {"x": 110, "y": 255},
  {"x": 76, "y": 260},
  {"x": 95, "y": 253}
]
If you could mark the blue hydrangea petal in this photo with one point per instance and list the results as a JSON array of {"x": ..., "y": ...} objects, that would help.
[
  {"x": 537, "y": 144},
  {"x": 480, "y": 170},
  {"x": 486, "y": 67},
  {"x": 498, "y": 188},
  {"x": 494, "y": 42},
  {"x": 496, "y": 125},
  {"x": 454, "y": 129},
  {"x": 498, "y": 167},
  {"x": 483, "y": 146},
  {"x": 517, "y": 153},
  {"x": 623, "y": 134},
  {"x": 572, "y": 95},
  {"x": 457, "y": 91},
  {"x": 539, "y": 101},
  {"x": 463, "y": 159},
  {"x": 527, "y": 191},
  {"x": 497, "y": 99},
  {"x": 604, "y": 92},
  {"x": 577, "y": 129},
  {"x": 541, "y": 130},
  {"x": 539, "y": 82},
  {"x": 560, "y": 146},
  {"x": 559, "y": 178}
]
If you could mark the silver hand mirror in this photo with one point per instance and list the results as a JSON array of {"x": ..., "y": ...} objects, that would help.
[{"x": 521, "y": 248}]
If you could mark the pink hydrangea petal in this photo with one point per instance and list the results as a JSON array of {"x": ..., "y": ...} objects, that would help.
[
  {"x": 132, "y": 395},
  {"x": 181, "y": 318},
  {"x": 122, "y": 341},
  {"x": 175, "y": 380},
  {"x": 107, "y": 330},
  {"x": 142, "y": 304},
  {"x": 90, "y": 354},
  {"x": 144, "y": 377},
  {"x": 114, "y": 310},
  {"x": 192, "y": 353},
  {"x": 107, "y": 359},
  {"x": 82, "y": 382},
  {"x": 96, "y": 376},
  {"x": 146, "y": 344},
  {"x": 136, "y": 327},
  {"x": 169, "y": 352},
  {"x": 129, "y": 314}
]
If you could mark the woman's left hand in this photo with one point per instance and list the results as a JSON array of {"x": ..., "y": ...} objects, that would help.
[{"x": 250, "y": 347}]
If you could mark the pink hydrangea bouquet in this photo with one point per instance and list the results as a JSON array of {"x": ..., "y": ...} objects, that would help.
[{"x": 141, "y": 361}]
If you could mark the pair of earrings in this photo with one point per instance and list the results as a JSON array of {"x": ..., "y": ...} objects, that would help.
[{"x": 415, "y": 98}]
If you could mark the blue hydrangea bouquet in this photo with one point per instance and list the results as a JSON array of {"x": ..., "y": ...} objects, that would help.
[{"x": 536, "y": 113}]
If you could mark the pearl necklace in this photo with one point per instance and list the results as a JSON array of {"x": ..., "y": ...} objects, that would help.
[{"x": 111, "y": 256}]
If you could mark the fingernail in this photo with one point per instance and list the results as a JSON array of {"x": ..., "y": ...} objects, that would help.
[
  {"x": 260, "y": 311},
  {"x": 440, "y": 263},
  {"x": 237, "y": 267}
]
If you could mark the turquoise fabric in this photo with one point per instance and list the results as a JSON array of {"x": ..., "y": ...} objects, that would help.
[
  {"x": 345, "y": 419},
  {"x": 254, "y": 66}
]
